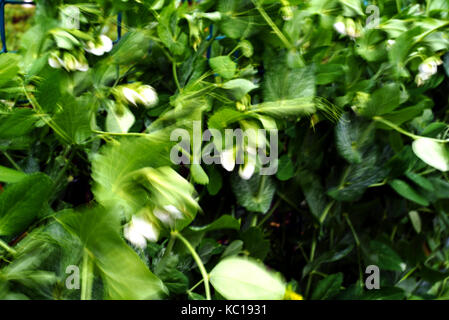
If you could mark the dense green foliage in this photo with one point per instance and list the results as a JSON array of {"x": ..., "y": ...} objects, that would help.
[{"x": 360, "y": 106}]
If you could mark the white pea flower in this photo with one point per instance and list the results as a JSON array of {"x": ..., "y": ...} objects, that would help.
[
  {"x": 351, "y": 28},
  {"x": 55, "y": 62},
  {"x": 82, "y": 66},
  {"x": 227, "y": 159},
  {"x": 103, "y": 45},
  {"x": 390, "y": 43},
  {"x": 69, "y": 62},
  {"x": 139, "y": 230},
  {"x": 131, "y": 95},
  {"x": 427, "y": 69},
  {"x": 247, "y": 170},
  {"x": 168, "y": 215},
  {"x": 148, "y": 96},
  {"x": 143, "y": 94},
  {"x": 340, "y": 27},
  {"x": 347, "y": 27},
  {"x": 134, "y": 237}
]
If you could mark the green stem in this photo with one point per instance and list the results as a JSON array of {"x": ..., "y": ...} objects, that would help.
[
  {"x": 326, "y": 211},
  {"x": 356, "y": 238},
  {"x": 404, "y": 132},
  {"x": 357, "y": 242},
  {"x": 378, "y": 184},
  {"x": 398, "y": 5},
  {"x": 128, "y": 134},
  {"x": 175, "y": 76},
  {"x": 39, "y": 112},
  {"x": 196, "y": 285},
  {"x": 273, "y": 26},
  {"x": 5, "y": 246},
  {"x": 198, "y": 261},
  {"x": 87, "y": 277},
  {"x": 395, "y": 127},
  {"x": 269, "y": 213},
  {"x": 408, "y": 274},
  {"x": 66, "y": 164},
  {"x": 169, "y": 248},
  {"x": 312, "y": 255},
  {"x": 11, "y": 160}
]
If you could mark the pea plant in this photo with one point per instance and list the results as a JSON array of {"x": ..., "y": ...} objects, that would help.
[{"x": 226, "y": 149}]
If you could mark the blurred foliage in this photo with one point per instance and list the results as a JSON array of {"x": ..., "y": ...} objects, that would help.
[{"x": 361, "y": 114}]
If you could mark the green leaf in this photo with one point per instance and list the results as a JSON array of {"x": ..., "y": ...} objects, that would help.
[
  {"x": 224, "y": 66},
  {"x": 284, "y": 108},
  {"x": 313, "y": 191},
  {"x": 434, "y": 153},
  {"x": 328, "y": 287},
  {"x": 235, "y": 25},
  {"x": 169, "y": 32},
  {"x": 386, "y": 293},
  {"x": 17, "y": 123},
  {"x": 119, "y": 122},
  {"x": 441, "y": 188},
  {"x": 416, "y": 220},
  {"x": 124, "y": 274},
  {"x": 352, "y": 7},
  {"x": 383, "y": 256},
  {"x": 215, "y": 182},
  {"x": 223, "y": 117},
  {"x": 198, "y": 174},
  {"x": 420, "y": 181},
  {"x": 64, "y": 39},
  {"x": 22, "y": 201},
  {"x": 112, "y": 167},
  {"x": 352, "y": 138},
  {"x": 73, "y": 121},
  {"x": 239, "y": 87},
  {"x": 233, "y": 249},
  {"x": 10, "y": 175},
  {"x": 358, "y": 177},
  {"x": 330, "y": 256},
  {"x": 283, "y": 84},
  {"x": 371, "y": 45},
  {"x": 383, "y": 100},
  {"x": 239, "y": 278},
  {"x": 247, "y": 48},
  {"x": 8, "y": 67},
  {"x": 408, "y": 192},
  {"x": 399, "y": 51},
  {"x": 285, "y": 168},
  {"x": 328, "y": 73},
  {"x": 132, "y": 47},
  {"x": 256, "y": 243},
  {"x": 254, "y": 194},
  {"x": 195, "y": 296},
  {"x": 224, "y": 222},
  {"x": 175, "y": 281}
]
